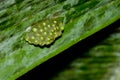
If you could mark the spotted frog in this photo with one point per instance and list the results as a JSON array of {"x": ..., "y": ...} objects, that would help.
[{"x": 44, "y": 32}]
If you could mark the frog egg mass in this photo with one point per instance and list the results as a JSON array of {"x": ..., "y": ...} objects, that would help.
[{"x": 44, "y": 32}]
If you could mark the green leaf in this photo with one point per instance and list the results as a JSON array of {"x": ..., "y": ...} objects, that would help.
[{"x": 81, "y": 19}]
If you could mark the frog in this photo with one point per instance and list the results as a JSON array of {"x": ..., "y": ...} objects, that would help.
[{"x": 45, "y": 32}]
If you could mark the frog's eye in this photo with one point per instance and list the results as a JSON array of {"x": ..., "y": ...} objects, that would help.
[{"x": 44, "y": 32}]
